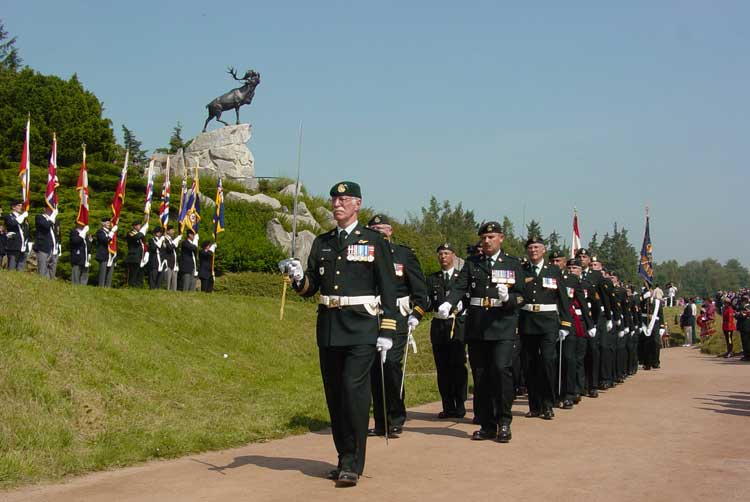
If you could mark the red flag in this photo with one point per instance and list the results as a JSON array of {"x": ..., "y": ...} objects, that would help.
[
  {"x": 24, "y": 170},
  {"x": 117, "y": 203},
  {"x": 576, "y": 235},
  {"x": 83, "y": 193},
  {"x": 50, "y": 194},
  {"x": 164, "y": 206}
]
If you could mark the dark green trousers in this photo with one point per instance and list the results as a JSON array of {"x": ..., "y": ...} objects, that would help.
[
  {"x": 492, "y": 364},
  {"x": 607, "y": 345},
  {"x": 541, "y": 354},
  {"x": 452, "y": 376},
  {"x": 346, "y": 381}
]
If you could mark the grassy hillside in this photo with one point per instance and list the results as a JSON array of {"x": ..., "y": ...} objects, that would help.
[{"x": 92, "y": 379}]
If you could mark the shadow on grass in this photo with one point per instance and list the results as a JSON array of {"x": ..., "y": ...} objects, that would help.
[
  {"x": 312, "y": 468},
  {"x": 310, "y": 423},
  {"x": 730, "y": 403}
]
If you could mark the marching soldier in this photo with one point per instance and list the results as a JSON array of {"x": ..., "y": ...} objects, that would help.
[
  {"x": 350, "y": 266},
  {"x": 608, "y": 337},
  {"x": 411, "y": 300},
  {"x": 492, "y": 281},
  {"x": 584, "y": 323},
  {"x": 598, "y": 301},
  {"x": 106, "y": 263},
  {"x": 17, "y": 235},
  {"x": 633, "y": 337},
  {"x": 544, "y": 320},
  {"x": 79, "y": 254},
  {"x": 447, "y": 337},
  {"x": 621, "y": 353}
]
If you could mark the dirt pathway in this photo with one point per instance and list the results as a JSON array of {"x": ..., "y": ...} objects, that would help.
[{"x": 678, "y": 433}]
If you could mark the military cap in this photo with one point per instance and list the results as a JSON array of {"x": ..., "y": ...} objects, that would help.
[
  {"x": 490, "y": 227},
  {"x": 445, "y": 247},
  {"x": 556, "y": 254},
  {"x": 573, "y": 262},
  {"x": 190, "y": 231},
  {"x": 594, "y": 257},
  {"x": 158, "y": 230},
  {"x": 534, "y": 239},
  {"x": 16, "y": 202},
  {"x": 205, "y": 244},
  {"x": 170, "y": 227},
  {"x": 379, "y": 219},
  {"x": 582, "y": 252},
  {"x": 346, "y": 188},
  {"x": 106, "y": 219}
]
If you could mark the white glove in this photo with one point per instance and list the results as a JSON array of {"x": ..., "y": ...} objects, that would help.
[
  {"x": 609, "y": 325},
  {"x": 53, "y": 215},
  {"x": 643, "y": 328},
  {"x": 562, "y": 334},
  {"x": 413, "y": 322},
  {"x": 592, "y": 332},
  {"x": 627, "y": 330},
  {"x": 292, "y": 267},
  {"x": 22, "y": 217},
  {"x": 618, "y": 322},
  {"x": 502, "y": 292},
  {"x": 662, "y": 331},
  {"x": 212, "y": 247},
  {"x": 195, "y": 240},
  {"x": 383, "y": 345},
  {"x": 177, "y": 240},
  {"x": 444, "y": 310},
  {"x": 160, "y": 241},
  {"x": 459, "y": 306},
  {"x": 621, "y": 333},
  {"x": 82, "y": 232},
  {"x": 144, "y": 228},
  {"x": 411, "y": 341}
]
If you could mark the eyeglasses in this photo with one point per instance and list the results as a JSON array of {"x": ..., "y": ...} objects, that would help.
[{"x": 341, "y": 199}]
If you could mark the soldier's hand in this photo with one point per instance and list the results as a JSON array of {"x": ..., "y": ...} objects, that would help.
[
  {"x": 502, "y": 292},
  {"x": 383, "y": 345},
  {"x": 662, "y": 331},
  {"x": 114, "y": 229},
  {"x": 592, "y": 332},
  {"x": 618, "y": 322},
  {"x": 609, "y": 325},
  {"x": 627, "y": 330},
  {"x": 621, "y": 333},
  {"x": 292, "y": 267},
  {"x": 413, "y": 322},
  {"x": 562, "y": 334},
  {"x": 444, "y": 310},
  {"x": 459, "y": 306}
]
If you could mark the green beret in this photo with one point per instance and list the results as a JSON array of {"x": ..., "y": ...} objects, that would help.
[
  {"x": 445, "y": 247},
  {"x": 349, "y": 188},
  {"x": 379, "y": 219},
  {"x": 534, "y": 239},
  {"x": 491, "y": 227},
  {"x": 556, "y": 254}
]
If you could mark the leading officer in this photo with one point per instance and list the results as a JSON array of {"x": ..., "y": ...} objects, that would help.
[{"x": 350, "y": 266}]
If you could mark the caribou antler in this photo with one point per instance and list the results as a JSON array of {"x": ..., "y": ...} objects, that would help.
[{"x": 233, "y": 73}]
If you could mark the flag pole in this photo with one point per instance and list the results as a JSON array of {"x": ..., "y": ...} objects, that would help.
[{"x": 294, "y": 221}]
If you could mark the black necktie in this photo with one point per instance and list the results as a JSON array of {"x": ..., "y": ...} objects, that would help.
[
  {"x": 342, "y": 237},
  {"x": 446, "y": 278}
]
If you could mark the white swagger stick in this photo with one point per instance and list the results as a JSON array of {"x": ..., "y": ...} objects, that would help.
[
  {"x": 651, "y": 323},
  {"x": 409, "y": 341}
]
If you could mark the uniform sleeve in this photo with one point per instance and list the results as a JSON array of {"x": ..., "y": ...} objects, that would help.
[
  {"x": 461, "y": 286},
  {"x": 417, "y": 285},
  {"x": 516, "y": 291},
  {"x": 566, "y": 322},
  {"x": 585, "y": 311},
  {"x": 75, "y": 238},
  {"x": 309, "y": 284},
  {"x": 604, "y": 298},
  {"x": 42, "y": 223},
  {"x": 431, "y": 307},
  {"x": 384, "y": 276}
]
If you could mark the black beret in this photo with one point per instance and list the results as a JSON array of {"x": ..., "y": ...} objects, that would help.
[
  {"x": 106, "y": 219},
  {"x": 346, "y": 188},
  {"x": 573, "y": 262},
  {"x": 534, "y": 239},
  {"x": 158, "y": 230},
  {"x": 594, "y": 258},
  {"x": 556, "y": 254},
  {"x": 490, "y": 227},
  {"x": 379, "y": 219},
  {"x": 582, "y": 252},
  {"x": 445, "y": 247},
  {"x": 16, "y": 202},
  {"x": 205, "y": 244}
]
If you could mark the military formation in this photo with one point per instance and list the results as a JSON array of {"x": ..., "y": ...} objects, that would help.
[
  {"x": 161, "y": 260},
  {"x": 554, "y": 328}
]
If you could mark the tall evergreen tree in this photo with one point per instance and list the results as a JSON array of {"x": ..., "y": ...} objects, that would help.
[
  {"x": 132, "y": 145},
  {"x": 9, "y": 57}
]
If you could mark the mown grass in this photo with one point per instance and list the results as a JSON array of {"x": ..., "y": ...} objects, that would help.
[{"x": 93, "y": 379}]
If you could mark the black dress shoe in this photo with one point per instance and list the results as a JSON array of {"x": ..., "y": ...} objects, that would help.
[
  {"x": 646, "y": 367},
  {"x": 567, "y": 404},
  {"x": 476, "y": 421},
  {"x": 460, "y": 414},
  {"x": 577, "y": 399},
  {"x": 504, "y": 436},
  {"x": 656, "y": 366},
  {"x": 594, "y": 393},
  {"x": 532, "y": 414},
  {"x": 347, "y": 478},
  {"x": 395, "y": 431},
  {"x": 444, "y": 414},
  {"x": 375, "y": 432},
  {"x": 482, "y": 435},
  {"x": 333, "y": 474},
  {"x": 548, "y": 414},
  {"x": 521, "y": 391}
]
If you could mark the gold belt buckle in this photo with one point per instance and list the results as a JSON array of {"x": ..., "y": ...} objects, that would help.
[
  {"x": 334, "y": 302},
  {"x": 537, "y": 307},
  {"x": 486, "y": 303}
]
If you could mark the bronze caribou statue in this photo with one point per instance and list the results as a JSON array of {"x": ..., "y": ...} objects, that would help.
[{"x": 234, "y": 98}]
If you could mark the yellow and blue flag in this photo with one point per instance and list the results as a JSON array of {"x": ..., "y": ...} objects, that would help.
[
  {"x": 219, "y": 214},
  {"x": 190, "y": 217},
  {"x": 646, "y": 265}
]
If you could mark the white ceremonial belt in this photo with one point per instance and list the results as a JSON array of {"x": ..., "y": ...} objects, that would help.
[
  {"x": 333, "y": 302},
  {"x": 485, "y": 302},
  {"x": 578, "y": 312},
  {"x": 540, "y": 307},
  {"x": 403, "y": 305}
]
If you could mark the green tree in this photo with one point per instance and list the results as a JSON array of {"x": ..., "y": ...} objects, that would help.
[
  {"x": 176, "y": 142},
  {"x": 9, "y": 58},
  {"x": 534, "y": 229},
  {"x": 594, "y": 245},
  {"x": 132, "y": 145}
]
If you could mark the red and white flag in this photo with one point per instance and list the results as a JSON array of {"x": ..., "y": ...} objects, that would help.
[
  {"x": 24, "y": 170},
  {"x": 164, "y": 206},
  {"x": 50, "y": 194},
  {"x": 576, "y": 235},
  {"x": 83, "y": 193},
  {"x": 117, "y": 203}
]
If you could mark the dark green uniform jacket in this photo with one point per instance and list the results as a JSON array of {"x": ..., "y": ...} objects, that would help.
[
  {"x": 439, "y": 289},
  {"x": 410, "y": 284},
  {"x": 545, "y": 289}
]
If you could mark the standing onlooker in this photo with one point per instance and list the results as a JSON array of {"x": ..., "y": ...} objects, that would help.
[
  {"x": 672, "y": 292},
  {"x": 728, "y": 325},
  {"x": 686, "y": 322},
  {"x": 743, "y": 326}
]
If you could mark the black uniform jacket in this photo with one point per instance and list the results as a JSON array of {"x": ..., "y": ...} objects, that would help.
[
  {"x": 17, "y": 234},
  {"x": 102, "y": 245},
  {"x": 347, "y": 270},
  {"x": 600, "y": 304},
  {"x": 478, "y": 279},
  {"x": 410, "y": 282},
  {"x": 155, "y": 254},
  {"x": 609, "y": 290},
  {"x": 546, "y": 289},
  {"x": 187, "y": 257},
  {"x": 439, "y": 289},
  {"x": 79, "y": 248},
  {"x": 135, "y": 246},
  {"x": 44, "y": 241},
  {"x": 205, "y": 264},
  {"x": 578, "y": 298}
]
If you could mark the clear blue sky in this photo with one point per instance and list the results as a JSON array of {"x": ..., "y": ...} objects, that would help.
[{"x": 590, "y": 104}]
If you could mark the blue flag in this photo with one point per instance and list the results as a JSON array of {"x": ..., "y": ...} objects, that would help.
[
  {"x": 219, "y": 214},
  {"x": 646, "y": 265}
]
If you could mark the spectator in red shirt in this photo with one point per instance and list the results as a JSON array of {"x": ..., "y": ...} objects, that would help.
[{"x": 728, "y": 325}]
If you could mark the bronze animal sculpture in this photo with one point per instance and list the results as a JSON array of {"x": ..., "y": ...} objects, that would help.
[{"x": 234, "y": 98}]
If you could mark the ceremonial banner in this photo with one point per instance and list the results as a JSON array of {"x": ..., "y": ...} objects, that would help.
[
  {"x": 646, "y": 265},
  {"x": 576, "y": 235},
  {"x": 83, "y": 193},
  {"x": 50, "y": 194},
  {"x": 24, "y": 170},
  {"x": 117, "y": 203},
  {"x": 164, "y": 206},
  {"x": 219, "y": 214},
  {"x": 149, "y": 191},
  {"x": 191, "y": 219}
]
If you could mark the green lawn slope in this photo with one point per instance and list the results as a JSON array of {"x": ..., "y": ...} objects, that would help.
[{"x": 92, "y": 379}]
